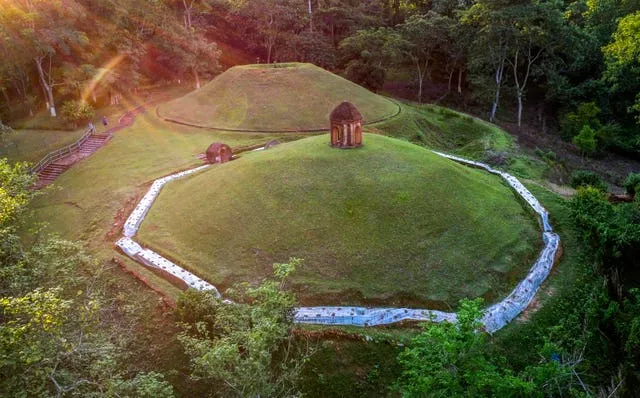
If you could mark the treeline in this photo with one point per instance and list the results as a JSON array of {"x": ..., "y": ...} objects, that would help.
[
  {"x": 572, "y": 65},
  {"x": 94, "y": 51},
  {"x": 568, "y": 65}
]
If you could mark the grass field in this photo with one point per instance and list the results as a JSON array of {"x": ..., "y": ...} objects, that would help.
[
  {"x": 86, "y": 202},
  {"x": 151, "y": 148},
  {"x": 35, "y": 137},
  {"x": 437, "y": 127},
  {"x": 33, "y": 145},
  {"x": 388, "y": 223},
  {"x": 279, "y": 97}
]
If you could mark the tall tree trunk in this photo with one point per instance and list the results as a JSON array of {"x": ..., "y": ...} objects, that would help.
[
  {"x": 187, "y": 15},
  {"x": 195, "y": 74},
  {"x": 333, "y": 33},
  {"x": 46, "y": 87},
  {"x": 310, "y": 17},
  {"x": 460, "y": 81},
  {"x": 498, "y": 79},
  {"x": 421, "y": 74},
  {"x": 519, "y": 94},
  {"x": 450, "y": 79}
]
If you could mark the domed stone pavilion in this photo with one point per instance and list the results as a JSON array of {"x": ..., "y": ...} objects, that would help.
[
  {"x": 219, "y": 153},
  {"x": 346, "y": 126}
]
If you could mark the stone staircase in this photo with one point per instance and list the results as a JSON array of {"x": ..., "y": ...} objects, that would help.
[
  {"x": 53, "y": 170},
  {"x": 93, "y": 143},
  {"x": 57, "y": 162},
  {"x": 50, "y": 173}
]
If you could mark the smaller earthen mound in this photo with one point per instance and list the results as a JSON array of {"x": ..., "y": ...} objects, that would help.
[{"x": 219, "y": 153}]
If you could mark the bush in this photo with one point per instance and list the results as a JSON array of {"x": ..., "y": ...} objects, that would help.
[
  {"x": 76, "y": 111},
  {"x": 4, "y": 129},
  {"x": 585, "y": 178},
  {"x": 586, "y": 140},
  {"x": 548, "y": 156},
  {"x": 632, "y": 183},
  {"x": 585, "y": 115}
]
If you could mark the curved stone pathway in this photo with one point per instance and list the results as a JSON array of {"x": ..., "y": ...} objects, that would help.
[{"x": 495, "y": 316}]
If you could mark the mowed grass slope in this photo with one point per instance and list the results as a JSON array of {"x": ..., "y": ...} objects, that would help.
[
  {"x": 390, "y": 223},
  {"x": 90, "y": 201},
  {"x": 278, "y": 97}
]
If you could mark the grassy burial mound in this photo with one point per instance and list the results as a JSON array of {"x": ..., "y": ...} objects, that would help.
[
  {"x": 277, "y": 97},
  {"x": 389, "y": 223}
]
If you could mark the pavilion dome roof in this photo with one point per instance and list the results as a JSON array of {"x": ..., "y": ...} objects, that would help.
[{"x": 346, "y": 112}]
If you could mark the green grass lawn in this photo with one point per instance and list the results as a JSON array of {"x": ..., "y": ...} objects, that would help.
[
  {"x": 388, "y": 223},
  {"x": 445, "y": 129},
  {"x": 280, "y": 97},
  {"x": 85, "y": 201},
  {"x": 33, "y": 145},
  {"x": 35, "y": 137}
]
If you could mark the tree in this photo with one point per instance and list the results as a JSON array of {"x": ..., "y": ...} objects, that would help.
[
  {"x": 76, "y": 112},
  {"x": 586, "y": 140},
  {"x": 14, "y": 194},
  {"x": 426, "y": 34},
  {"x": 245, "y": 347},
  {"x": 367, "y": 53},
  {"x": 537, "y": 34},
  {"x": 49, "y": 31},
  {"x": 494, "y": 39},
  {"x": 272, "y": 18},
  {"x": 624, "y": 50},
  {"x": 53, "y": 341},
  {"x": 202, "y": 57},
  {"x": 454, "y": 360},
  {"x": 449, "y": 359},
  {"x": 587, "y": 114}
]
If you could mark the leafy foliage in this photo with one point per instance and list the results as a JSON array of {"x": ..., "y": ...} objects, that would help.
[
  {"x": 587, "y": 114},
  {"x": 451, "y": 359},
  {"x": 585, "y": 178},
  {"x": 632, "y": 183},
  {"x": 53, "y": 340},
  {"x": 76, "y": 112},
  {"x": 613, "y": 233},
  {"x": 246, "y": 347},
  {"x": 586, "y": 140}
]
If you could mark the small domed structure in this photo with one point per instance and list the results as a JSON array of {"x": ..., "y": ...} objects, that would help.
[
  {"x": 346, "y": 126},
  {"x": 271, "y": 144},
  {"x": 219, "y": 153}
]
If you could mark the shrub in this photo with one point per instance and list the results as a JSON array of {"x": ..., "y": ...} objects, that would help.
[
  {"x": 632, "y": 183},
  {"x": 548, "y": 156},
  {"x": 585, "y": 115},
  {"x": 585, "y": 178},
  {"x": 76, "y": 112},
  {"x": 586, "y": 140},
  {"x": 4, "y": 129}
]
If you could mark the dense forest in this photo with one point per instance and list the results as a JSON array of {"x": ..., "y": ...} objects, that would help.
[
  {"x": 565, "y": 68},
  {"x": 569, "y": 66}
]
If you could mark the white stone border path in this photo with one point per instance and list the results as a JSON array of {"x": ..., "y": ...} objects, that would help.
[{"x": 495, "y": 317}]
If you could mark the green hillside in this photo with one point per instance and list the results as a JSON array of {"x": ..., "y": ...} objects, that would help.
[
  {"x": 388, "y": 223},
  {"x": 276, "y": 97}
]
